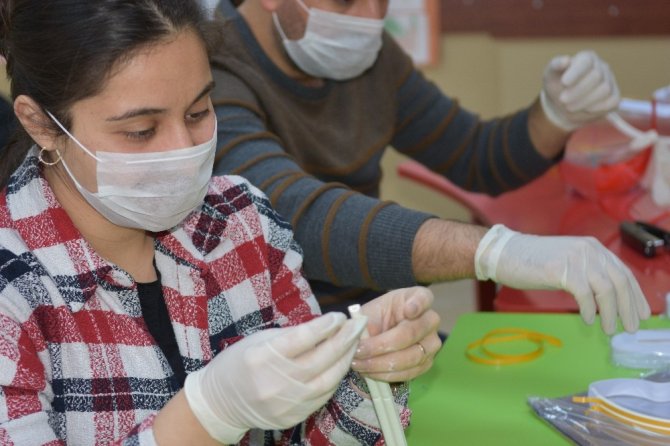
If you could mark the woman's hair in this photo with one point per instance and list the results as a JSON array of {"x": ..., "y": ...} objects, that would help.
[{"x": 61, "y": 51}]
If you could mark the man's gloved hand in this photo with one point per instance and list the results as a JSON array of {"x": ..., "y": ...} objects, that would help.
[
  {"x": 578, "y": 90},
  {"x": 579, "y": 265},
  {"x": 273, "y": 379}
]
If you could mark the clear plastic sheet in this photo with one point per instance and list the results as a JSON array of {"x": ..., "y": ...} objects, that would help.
[
  {"x": 644, "y": 349},
  {"x": 590, "y": 428}
]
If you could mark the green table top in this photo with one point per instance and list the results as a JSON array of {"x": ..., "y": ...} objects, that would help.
[{"x": 460, "y": 402}]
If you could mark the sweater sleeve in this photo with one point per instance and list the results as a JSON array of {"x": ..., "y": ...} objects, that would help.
[
  {"x": 349, "y": 239},
  {"x": 491, "y": 156},
  {"x": 25, "y": 396},
  {"x": 27, "y": 414},
  {"x": 24, "y": 404}
]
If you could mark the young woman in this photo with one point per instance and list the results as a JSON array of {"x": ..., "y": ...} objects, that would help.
[{"x": 140, "y": 301}]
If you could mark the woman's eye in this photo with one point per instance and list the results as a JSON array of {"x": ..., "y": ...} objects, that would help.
[
  {"x": 141, "y": 134},
  {"x": 197, "y": 116}
]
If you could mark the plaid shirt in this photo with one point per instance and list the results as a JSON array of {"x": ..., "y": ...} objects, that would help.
[{"x": 77, "y": 363}]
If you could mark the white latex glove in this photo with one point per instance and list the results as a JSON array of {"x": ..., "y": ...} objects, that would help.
[
  {"x": 403, "y": 336},
  {"x": 273, "y": 379},
  {"x": 578, "y": 90},
  {"x": 581, "y": 266}
]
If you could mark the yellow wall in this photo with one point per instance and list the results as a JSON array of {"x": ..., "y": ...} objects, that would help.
[
  {"x": 495, "y": 76},
  {"x": 4, "y": 84},
  {"x": 500, "y": 75}
]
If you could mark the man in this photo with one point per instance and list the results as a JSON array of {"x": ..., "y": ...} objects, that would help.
[{"x": 309, "y": 95}]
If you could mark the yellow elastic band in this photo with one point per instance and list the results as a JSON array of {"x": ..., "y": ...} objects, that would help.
[
  {"x": 630, "y": 418},
  {"x": 500, "y": 335}
]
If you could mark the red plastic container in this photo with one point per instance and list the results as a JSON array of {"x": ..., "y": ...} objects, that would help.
[{"x": 599, "y": 162}]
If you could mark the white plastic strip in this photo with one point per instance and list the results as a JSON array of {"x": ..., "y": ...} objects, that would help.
[{"x": 382, "y": 399}]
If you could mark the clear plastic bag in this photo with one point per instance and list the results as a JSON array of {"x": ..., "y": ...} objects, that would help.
[{"x": 590, "y": 428}]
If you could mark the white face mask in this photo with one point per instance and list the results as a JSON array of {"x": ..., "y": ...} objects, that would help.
[
  {"x": 335, "y": 46},
  {"x": 153, "y": 191}
]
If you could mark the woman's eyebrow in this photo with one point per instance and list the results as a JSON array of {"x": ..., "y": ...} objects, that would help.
[
  {"x": 153, "y": 111},
  {"x": 136, "y": 112},
  {"x": 205, "y": 91}
]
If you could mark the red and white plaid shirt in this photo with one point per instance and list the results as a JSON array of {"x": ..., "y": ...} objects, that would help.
[{"x": 77, "y": 363}]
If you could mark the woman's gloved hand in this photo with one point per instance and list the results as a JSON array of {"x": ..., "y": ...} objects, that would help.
[
  {"x": 273, "y": 379},
  {"x": 578, "y": 90},
  {"x": 581, "y": 266},
  {"x": 403, "y": 336}
]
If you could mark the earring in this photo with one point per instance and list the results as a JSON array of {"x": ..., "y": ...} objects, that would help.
[{"x": 40, "y": 157}]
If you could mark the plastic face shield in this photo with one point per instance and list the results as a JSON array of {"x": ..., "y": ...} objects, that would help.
[{"x": 639, "y": 403}]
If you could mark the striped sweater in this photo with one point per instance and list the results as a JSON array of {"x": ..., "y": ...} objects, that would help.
[{"x": 315, "y": 151}]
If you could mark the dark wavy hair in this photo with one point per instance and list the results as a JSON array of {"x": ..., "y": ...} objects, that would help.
[{"x": 61, "y": 51}]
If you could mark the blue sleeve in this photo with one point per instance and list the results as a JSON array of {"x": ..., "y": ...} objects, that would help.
[
  {"x": 482, "y": 156},
  {"x": 348, "y": 239}
]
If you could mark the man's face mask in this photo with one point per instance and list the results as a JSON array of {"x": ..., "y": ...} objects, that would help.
[
  {"x": 335, "y": 46},
  {"x": 153, "y": 191}
]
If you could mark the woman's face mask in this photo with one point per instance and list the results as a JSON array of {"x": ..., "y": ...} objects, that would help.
[
  {"x": 153, "y": 191},
  {"x": 335, "y": 46}
]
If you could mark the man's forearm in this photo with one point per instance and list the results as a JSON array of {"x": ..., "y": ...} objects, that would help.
[{"x": 445, "y": 250}]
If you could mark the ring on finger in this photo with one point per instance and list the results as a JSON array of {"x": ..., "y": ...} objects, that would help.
[{"x": 424, "y": 354}]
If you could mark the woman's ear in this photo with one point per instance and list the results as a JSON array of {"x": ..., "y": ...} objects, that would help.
[{"x": 35, "y": 122}]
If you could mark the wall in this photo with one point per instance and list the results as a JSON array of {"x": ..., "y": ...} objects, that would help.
[
  {"x": 4, "y": 84},
  {"x": 492, "y": 76}
]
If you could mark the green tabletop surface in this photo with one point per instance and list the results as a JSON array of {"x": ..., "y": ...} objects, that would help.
[{"x": 460, "y": 402}]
